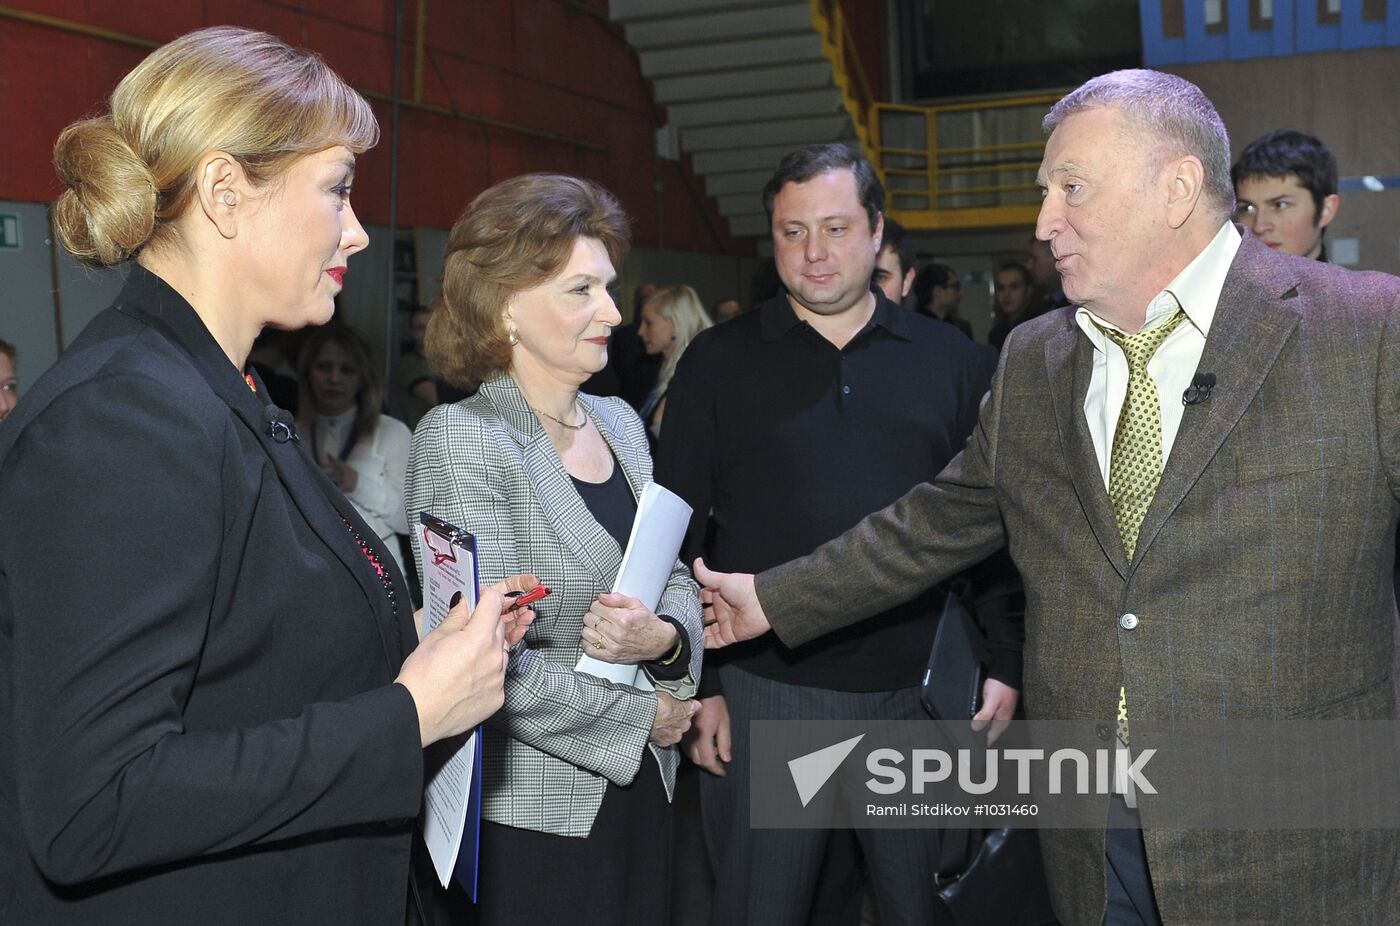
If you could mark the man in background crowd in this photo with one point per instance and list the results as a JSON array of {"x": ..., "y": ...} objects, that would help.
[
  {"x": 894, "y": 266},
  {"x": 938, "y": 294},
  {"x": 277, "y": 374},
  {"x": 1049, "y": 292},
  {"x": 1286, "y": 192},
  {"x": 1013, "y": 301},
  {"x": 9, "y": 379},
  {"x": 726, "y": 309}
]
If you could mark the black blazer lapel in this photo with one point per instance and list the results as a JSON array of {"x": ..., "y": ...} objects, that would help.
[
  {"x": 323, "y": 506},
  {"x": 1069, "y": 359},
  {"x": 1252, "y": 323}
]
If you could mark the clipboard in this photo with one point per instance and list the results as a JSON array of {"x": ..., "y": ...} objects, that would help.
[{"x": 452, "y": 797}]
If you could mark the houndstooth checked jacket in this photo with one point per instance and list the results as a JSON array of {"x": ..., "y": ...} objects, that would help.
[{"x": 485, "y": 464}]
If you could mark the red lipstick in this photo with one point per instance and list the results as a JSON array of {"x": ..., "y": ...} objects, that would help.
[{"x": 337, "y": 274}]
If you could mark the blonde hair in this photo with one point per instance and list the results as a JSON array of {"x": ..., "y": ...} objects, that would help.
[
  {"x": 131, "y": 173},
  {"x": 681, "y": 306},
  {"x": 513, "y": 237}
]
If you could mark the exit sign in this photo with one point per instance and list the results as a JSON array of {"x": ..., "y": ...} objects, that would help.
[{"x": 9, "y": 231}]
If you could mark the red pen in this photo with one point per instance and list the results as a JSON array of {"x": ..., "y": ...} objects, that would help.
[{"x": 525, "y": 599}]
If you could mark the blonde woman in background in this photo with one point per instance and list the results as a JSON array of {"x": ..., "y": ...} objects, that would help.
[
  {"x": 213, "y": 710},
  {"x": 671, "y": 318}
]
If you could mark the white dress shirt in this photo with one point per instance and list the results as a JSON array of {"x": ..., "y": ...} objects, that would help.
[{"x": 1197, "y": 290}]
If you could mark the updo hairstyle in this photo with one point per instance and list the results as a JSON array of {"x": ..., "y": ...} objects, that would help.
[
  {"x": 513, "y": 237},
  {"x": 131, "y": 173}
]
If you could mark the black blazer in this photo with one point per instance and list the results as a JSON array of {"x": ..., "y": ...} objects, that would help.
[{"x": 197, "y": 717}]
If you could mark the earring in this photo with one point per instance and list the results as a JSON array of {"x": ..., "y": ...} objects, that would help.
[
  {"x": 229, "y": 198},
  {"x": 512, "y": 336}
]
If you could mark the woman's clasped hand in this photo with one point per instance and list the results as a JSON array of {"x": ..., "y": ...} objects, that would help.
[{"x": 620, "y": 629}]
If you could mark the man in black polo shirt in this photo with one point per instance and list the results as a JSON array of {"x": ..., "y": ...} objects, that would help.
[{"x": 790, "y": 424}]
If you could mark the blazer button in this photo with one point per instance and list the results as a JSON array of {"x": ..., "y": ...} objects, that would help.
[
  {"x": 1103, "y": 731},
  {"x": 1128, "y": 621}
]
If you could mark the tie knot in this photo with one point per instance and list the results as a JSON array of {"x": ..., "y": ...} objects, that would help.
[{"x": 1140, "y": 347}]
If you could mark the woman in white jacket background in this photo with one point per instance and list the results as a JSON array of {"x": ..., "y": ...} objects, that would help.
[{"x": 362, "y": 450}]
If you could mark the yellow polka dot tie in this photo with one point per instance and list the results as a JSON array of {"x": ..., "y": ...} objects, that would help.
[{"x": 1135, "y": 466}]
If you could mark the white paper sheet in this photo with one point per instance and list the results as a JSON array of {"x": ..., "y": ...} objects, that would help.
[{"x": 657, "y": 532}]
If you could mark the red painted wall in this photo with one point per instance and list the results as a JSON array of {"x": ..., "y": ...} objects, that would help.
[
  {"x": 863, "y": 19},
  {"x": 548, "y": 65}
]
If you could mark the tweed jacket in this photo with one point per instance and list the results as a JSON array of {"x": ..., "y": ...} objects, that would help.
[
  {"x": 486, "y": 465},
  {"x": 1261, "y": 580}
]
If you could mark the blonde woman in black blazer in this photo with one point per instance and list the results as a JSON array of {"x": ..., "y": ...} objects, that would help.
[
  {"x": 211, "y": 710},
  {"x": 579, "y": 772}
]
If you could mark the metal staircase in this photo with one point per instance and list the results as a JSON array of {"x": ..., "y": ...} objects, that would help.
[{"x": 744, "y": 82}]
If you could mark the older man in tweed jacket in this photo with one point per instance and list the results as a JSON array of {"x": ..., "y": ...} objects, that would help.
[{"x": 1253, "y": 581}]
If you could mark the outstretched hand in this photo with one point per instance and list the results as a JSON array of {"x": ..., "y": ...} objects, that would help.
[{"x": 734, "y": 614}]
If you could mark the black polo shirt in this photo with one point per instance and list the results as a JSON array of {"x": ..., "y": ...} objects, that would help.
[{"x": 788, "y": 441}]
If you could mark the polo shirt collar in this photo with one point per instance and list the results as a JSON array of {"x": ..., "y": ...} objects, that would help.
[{"x": 777, "y": 317}]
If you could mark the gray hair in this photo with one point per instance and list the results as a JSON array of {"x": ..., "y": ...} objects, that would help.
[{"x": 1173, "y": 109}]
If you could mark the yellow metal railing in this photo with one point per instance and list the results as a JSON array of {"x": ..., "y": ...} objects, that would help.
[
  {"x": 964, "y": 185},
  {"x": 934, "y": 186},
  {"x": 839, "y": 47}
]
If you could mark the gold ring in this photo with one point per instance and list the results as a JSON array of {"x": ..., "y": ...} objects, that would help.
[
  {"x": 597, "y": 644},
  {"x": 599, "y": 622}
]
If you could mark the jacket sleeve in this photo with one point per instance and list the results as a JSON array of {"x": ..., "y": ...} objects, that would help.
[
  {"x": 456, "y": 472},
  {"x": 113, "y": 513}
]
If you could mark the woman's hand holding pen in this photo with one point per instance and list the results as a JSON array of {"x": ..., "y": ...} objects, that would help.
[
  {"x": 518, "y": 615},
  {"x": 620, "y": 629},
  {"x": 457, "y": 674}
]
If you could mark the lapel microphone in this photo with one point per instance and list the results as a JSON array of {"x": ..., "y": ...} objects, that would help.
[
  {"x": 1199, "y": 390},
  {"x": 280, "y": 424}
]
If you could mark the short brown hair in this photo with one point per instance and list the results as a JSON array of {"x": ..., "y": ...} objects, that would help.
[
  {"x": 513, "y": 237},
  {"x": 7, "y": 349}
]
